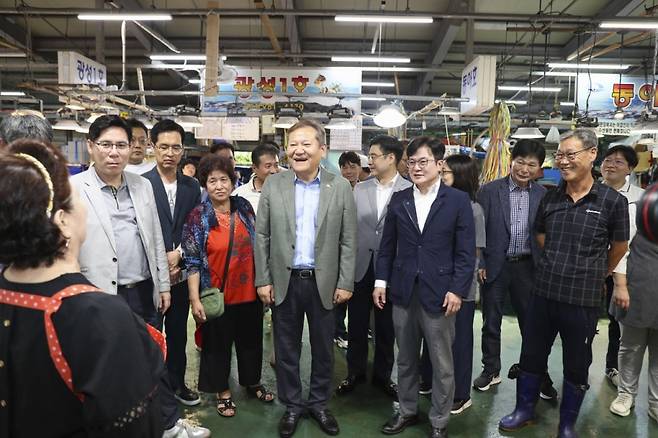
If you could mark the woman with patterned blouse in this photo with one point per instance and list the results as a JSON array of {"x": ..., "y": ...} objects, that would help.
[{"x": 206, "y": 237}]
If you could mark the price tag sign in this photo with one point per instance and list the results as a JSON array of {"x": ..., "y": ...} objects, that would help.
[{"x": 73, "y": 68}]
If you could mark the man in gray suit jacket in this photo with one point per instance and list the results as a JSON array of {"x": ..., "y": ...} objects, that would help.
[
  {"x": 305, "y": 254},
  {"x": 372, "y": 197}
]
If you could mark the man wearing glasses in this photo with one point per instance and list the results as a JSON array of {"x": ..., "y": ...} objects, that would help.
[
  {"x": 372, "y": 198},
  {"x": 426, "y": 259},
  {"x": 124, "y": 253},
  {"x": 139, "y": 143},
  {"x": 175, "y": 196},
  {"x": 582, "y": 226}
]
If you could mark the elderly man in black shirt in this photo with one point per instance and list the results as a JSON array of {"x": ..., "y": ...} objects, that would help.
[{"x": 583, "y": 228}]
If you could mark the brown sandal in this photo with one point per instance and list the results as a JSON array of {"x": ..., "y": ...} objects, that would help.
[
  {"x": 260, "y": 393},
  {"x": 224, "y": 405}
]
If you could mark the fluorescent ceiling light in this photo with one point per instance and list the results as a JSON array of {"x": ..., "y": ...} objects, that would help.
[
  {"x": 390, "y": 116},
  {"x": 377, "y": 84},
  {"x": 458, "y": 134},
  {"x": 182, "y": 66},
  {"x": 372, "y": 98},
  {"x": 12, "y": 93},
  {"x": 556, "y": 73},
  {"x": 527, "y": 88},
  {"x": 587, "y": 66},
  {"x": 629, "y": 25},
  {"x": 181, "y": 57},
  {"x": 384, "y": 19},
  {"x": 370, "y": 59},
  {"x": 512, "y": 102},
  {"x": 12, "y": 55},
  {"x": 113, "y": 16},
  {"x": 527, "y": 132},
  {"x": 567, "y": 103}
]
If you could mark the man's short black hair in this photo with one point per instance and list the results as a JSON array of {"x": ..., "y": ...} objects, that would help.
[
  {"x": 436, "y": 147},
  {"x": 527, "y": 148},
  {"x": 185, "y": 161},
  {"x": 263, "y": 149},
  {"x": 105, "y": 122},
  {"x": 628, "y": 152},
  {"x": 134, "y": 123},
  {"x": 166, "y": 125},
  {"x": 218, "y": 145},
  {"x": 349, "y": 157},
  {"x": 389, "y": 145}
]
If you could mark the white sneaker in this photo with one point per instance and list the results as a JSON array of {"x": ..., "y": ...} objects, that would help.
[
  {"x": 613, "y": 376},
  {"x": 622, "y": 405},
  {"x": 184, "y": 429}
]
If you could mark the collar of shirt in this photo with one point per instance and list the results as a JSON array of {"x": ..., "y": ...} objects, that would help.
[
  {"x": 513, "y": 185},
  {"x": 594, "y": 191},
  {"x": 102, "y": 185},
  {"x": 432, "y": 191},
  {"x": 315, "y": 182},
  {"x": 389, "y": 184}
]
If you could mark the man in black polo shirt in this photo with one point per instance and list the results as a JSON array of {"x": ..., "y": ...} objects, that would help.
[{"x": 583, "y": 227}]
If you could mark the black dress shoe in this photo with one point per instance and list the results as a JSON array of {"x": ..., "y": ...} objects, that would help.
[
  {"x": 288, "y": 424},
  {"x": 349, "y": 384},
  {"x": 326, "y": 420},
  {"x": 439, "y": 433},
  {"x": 398, "y": 423},
  {"x": 388, "y": 386}
]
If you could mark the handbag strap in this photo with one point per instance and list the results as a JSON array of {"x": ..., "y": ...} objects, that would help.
[{"x": 230, "y": 249}]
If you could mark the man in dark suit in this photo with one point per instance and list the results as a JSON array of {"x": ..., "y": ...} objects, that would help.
[
  {"x": 508, "y": 261},
  {"x": 427, "y": 259},
  {"x": 305, "y": 255},
  {"x": 175, "y": 196}
]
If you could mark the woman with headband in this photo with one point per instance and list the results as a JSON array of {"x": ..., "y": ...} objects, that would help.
[{"x": 73, "y": 362}]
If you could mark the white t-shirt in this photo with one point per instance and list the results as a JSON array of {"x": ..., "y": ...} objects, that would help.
[
  {"x": 170, "y": 190},
  {"x": 249, "y": 192},
  {"x": 140, "y": 168}
]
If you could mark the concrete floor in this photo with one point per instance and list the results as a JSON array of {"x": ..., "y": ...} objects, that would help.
[{"x": 362, "y": 413}]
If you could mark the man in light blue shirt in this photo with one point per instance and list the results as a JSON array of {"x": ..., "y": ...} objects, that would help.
[{"x": 307, "y": 199}]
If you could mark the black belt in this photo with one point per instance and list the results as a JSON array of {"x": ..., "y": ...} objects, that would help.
[
  {"x": 518, "y": 258},
  {"x": 303, "y": 273},
  {"x": 133, "y": 285}
]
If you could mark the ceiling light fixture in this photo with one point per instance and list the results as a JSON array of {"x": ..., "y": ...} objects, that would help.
[
  {"x": 372, "y": 98},
  {"x": 567, "y": 103},
  {"x": 390, "y": 116},
  {"x": 402, "y": 19},
  {"x": 527, "y": 131},
  {"x": 629, "y": 25},
  {"x": 527, "y": 88},
  {"x": 377, "y": 84},
  {"x": 189, "y": 122},
  {"x": 564, "y": 74},
  {"x": 512, "y": 102},
  {"x": 12, "y": 55},
  {"x": 387, "y": 59},
  {"x": 180, "y": 57},
  {"x": 12, "y": 93},
  {"x": 113, "y": 16},
  {"x": 553, "y": 135},
  {"x": 180, "y": 66},
  {"x": 568, "y": 65},
  {"x": 66, "y": 125},
  {"x": 340, "y": 118}
]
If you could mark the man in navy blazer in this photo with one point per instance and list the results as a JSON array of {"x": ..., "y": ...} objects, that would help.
[
  {"x": 507, "y": 263},
  {"x": 175, "y": 196},
  {"x": 427, "y": 259}
]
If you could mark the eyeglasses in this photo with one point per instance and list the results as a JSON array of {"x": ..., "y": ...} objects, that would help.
[
  {"x": 531, "y": 166},
  {"x": 373, "y": 157},
  {"x": 569, "y": 155},
  {"x": 175, "y": 148},
  {"x": 616, "y": 163},
  {"x": 107, "y": 146},
  {"x": 422, "y": 163}
]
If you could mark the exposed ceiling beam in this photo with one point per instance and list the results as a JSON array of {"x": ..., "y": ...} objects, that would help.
[
  {"x": 621, "y": 8},
  {"x": 444, "y": 34},
  {"x": 291, "y": 26},
  {"x": 269, "y": 30},
  {"x": 15, "y": 35}
]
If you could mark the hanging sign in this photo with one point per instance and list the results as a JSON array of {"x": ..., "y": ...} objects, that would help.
[
  {"x": 73, "y": 68},
  {"x": 229, "y": 128},
  {"x": 605, "y": 93},
  {"x": 479, "y": 85},
  {"x": 253, "y": 85}
]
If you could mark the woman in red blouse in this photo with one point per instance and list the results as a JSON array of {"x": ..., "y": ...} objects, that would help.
[{"x": 206, "y": 237}]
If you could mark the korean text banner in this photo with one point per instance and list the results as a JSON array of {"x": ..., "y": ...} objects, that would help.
[{"x": 608, "y": 93}]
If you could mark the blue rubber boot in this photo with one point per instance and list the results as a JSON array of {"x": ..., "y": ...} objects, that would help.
[
  {"x": 527, "y": 394},
  {"x": 572, "y": 399}
]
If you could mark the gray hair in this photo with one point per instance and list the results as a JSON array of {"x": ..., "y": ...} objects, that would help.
[
  {"x": 25, "y": 126},
  {"x": 587, "y": 137},
  {"x": 320, "y": 133}
]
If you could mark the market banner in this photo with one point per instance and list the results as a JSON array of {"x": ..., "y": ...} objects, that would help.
[
  {"x": 607, "y": 93},
  {"x": 320, "y": 83}
]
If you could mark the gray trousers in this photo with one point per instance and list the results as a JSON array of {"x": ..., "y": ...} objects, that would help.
[
  {"x": 634, "y": 342},
  {"x": 411, "y": 325}
]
